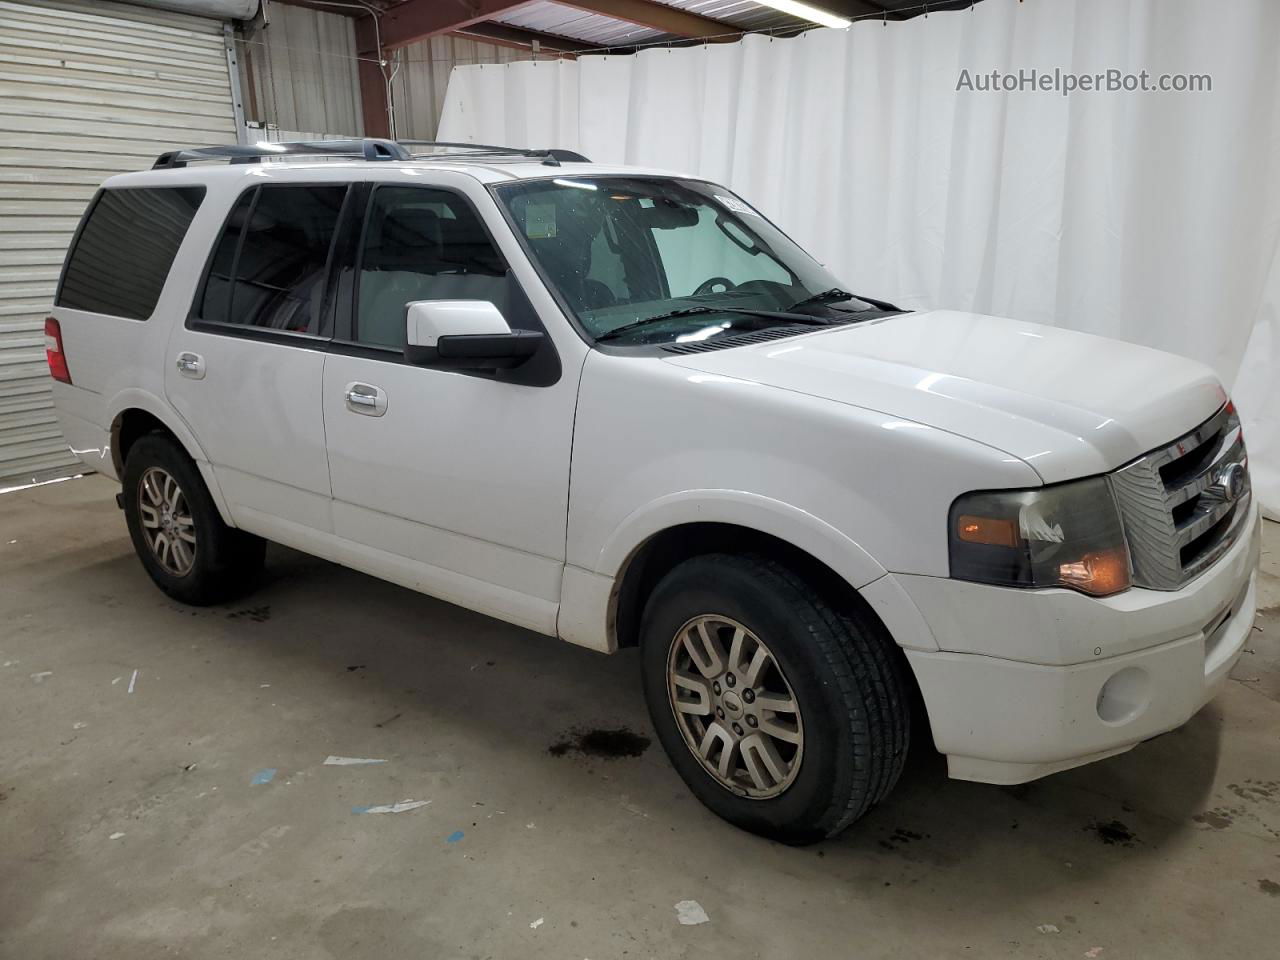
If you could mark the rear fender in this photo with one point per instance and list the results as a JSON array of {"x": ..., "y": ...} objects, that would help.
[{"x": 137, "y": 399}]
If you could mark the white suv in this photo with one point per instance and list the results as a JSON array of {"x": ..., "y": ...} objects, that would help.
[{"x": 622, "y": 408}]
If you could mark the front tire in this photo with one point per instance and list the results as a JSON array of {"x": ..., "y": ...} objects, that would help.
[
  {"x": 176, "y": 530},
  {"x": 784, "y": 716}
]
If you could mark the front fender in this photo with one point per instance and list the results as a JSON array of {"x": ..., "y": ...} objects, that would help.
[{"x": 797, "y": 527}]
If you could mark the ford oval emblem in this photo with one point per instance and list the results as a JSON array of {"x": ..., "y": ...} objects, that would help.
[{"x": 1232, "y": 479}]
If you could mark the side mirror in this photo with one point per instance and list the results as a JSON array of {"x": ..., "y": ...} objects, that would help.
[{"x": 464, "y": 335}]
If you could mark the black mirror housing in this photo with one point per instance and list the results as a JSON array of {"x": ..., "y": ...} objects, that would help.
[{"x": 478, "y": 351}]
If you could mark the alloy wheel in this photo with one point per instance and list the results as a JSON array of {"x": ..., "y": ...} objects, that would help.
[
  {"x": 735, "y": 709},
  {"x": 167, "y": 525}
]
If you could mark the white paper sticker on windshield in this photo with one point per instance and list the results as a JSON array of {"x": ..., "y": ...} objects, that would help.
[
  {"x": 735, "y": 205},
  {"x": 540, "y": 221}
]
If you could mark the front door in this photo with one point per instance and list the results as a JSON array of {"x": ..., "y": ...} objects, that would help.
[
  {"x": 245, "y": 370},
  {"x": 458, "y": 480}
]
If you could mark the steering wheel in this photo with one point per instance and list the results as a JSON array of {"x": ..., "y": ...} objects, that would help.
[{"x": 706, "y": 286}]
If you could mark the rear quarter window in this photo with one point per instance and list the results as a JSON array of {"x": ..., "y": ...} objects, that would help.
[{"x": 121, "y": 256}]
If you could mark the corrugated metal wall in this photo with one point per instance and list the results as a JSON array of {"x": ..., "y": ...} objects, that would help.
[
  {"x": 424, "y": 75},
  {"x": 87, "y": 89},
  {"x": 299, "y": 73}
]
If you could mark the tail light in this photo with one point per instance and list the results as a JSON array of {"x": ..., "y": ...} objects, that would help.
[{"x": 53, "y": 351}]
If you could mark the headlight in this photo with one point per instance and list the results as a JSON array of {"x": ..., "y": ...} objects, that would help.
[{"x": 1068, "y": 535}]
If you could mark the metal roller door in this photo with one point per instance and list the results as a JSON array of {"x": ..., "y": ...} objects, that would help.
[{"x": 87, "y": 89}]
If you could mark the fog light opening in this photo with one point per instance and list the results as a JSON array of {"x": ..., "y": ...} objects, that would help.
[{"x": 1124, "y": 696}]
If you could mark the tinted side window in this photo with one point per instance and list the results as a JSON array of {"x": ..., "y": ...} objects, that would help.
[
  {"x": 125, "y": 248},
  {"x": 422, "y": 244},
  {"x": 268, "y": 269},
  {"x": 215, "y": 303}
]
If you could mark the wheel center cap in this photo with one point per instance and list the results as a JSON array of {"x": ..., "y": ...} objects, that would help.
[{"x": 732, "y": 704}]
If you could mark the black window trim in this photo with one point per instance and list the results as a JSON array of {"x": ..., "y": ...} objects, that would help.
[
  {"x": 345, "y": 314},
  {"x": 75, "y": 242},
  {"x": 315, "y": 341},
  {"x": 84, "y": 220}
]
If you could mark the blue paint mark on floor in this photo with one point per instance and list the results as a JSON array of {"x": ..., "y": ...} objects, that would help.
[
  {"x": 263, "y": 776},
  {"x": 455, "y": 836},
  {"x": 364, "y": 809}
]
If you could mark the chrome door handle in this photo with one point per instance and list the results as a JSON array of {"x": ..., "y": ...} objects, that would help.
[
  {"x": 191, "y": 365},
  {"x": 365, "y": 399}
]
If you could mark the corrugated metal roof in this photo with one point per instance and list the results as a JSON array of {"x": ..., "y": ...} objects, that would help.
[
  {"x": 738, "y": 13},
  {"x": 547, "y": 17}
]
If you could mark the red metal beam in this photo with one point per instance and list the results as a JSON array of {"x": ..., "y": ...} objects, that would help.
[
  {"x": 373, "y": 83},
  {"x": 416, "y": 20},
  {"x": 373, "y": 99},
  {"x": 519, "y": 38}
]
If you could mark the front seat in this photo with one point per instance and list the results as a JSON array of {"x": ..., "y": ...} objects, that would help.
[{"x": 398, "y": 267}]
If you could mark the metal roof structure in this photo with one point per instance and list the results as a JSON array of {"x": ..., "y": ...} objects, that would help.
[{"x": 571, "y": 27}]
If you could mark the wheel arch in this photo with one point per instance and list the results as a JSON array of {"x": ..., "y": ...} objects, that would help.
[
  {"x": 656, "y": 537},
  {"x": 663, "y": 551},
  {"x": 137, "y": 413},
  {"x": 657, "y": 555}
]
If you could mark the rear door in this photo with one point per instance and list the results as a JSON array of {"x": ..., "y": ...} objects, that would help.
[
  {"x": 459, "y": 479},
  {"x": 245, "y": 370}
]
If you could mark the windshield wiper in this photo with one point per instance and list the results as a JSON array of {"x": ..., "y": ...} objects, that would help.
[
  {"x": 801, "y": 318},
  {"x": 836, "y": 295}
]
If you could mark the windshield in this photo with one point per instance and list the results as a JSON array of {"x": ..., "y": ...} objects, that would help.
[{"x": 669, "y": 260}]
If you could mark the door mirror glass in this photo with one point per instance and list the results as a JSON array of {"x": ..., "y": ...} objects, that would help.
[{"x": 464, "y": 334}]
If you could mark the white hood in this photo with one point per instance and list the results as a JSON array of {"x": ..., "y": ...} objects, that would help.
[{"x": 1069, "y": 404}]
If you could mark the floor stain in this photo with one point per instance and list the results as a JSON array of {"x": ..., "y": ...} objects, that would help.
[
  {"x": 1219, "y": 818},
  {"x": 1113, "y": 833},
  {"x": 391, "y": 719},
  {"x": 901, "y": 837},
  {"x": 1019, "y": 791},
  {"x": 1270, "y": 887},
  {"x": 1222, "y": 817},
  {"x": 1255, "y": 789},
  {"x": 609, "y": 743},
  {"x": 256, "y": 614}
]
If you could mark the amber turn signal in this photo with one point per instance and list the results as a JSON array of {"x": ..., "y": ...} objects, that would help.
[{"x": 990, "y": 530}]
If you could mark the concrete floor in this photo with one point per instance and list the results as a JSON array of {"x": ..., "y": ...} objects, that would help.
[{"x": 131, "y": 826}]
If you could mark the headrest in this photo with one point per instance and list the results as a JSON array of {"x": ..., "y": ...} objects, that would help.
[{"x": 411, "y": 227}]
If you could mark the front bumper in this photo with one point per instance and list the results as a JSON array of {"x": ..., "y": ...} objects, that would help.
[{"x": 1027, "y": 683}]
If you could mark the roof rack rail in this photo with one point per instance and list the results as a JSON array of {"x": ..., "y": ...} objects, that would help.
[
  {"x": 552, "y": 156},
  {"x": 367, "y": 148}
]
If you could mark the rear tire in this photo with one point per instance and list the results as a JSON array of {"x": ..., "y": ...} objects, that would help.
[
  {"x": 836, "y": 744},
  {"x": 176, "y": 529}
]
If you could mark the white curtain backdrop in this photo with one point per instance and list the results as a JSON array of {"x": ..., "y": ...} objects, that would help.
[{"x": 1152, "y": 217}]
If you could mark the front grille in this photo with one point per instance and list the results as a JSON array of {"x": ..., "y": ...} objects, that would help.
[{"x": 1184, "y": 504}]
